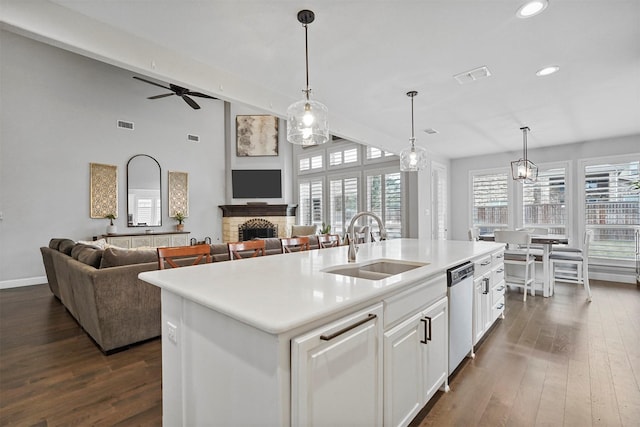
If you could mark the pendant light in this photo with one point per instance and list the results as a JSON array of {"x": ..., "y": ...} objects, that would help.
[
  {"x": 307, "y": 120},
  {"x": 412, "y": 158},
  {"x": 524, "y": 169}
]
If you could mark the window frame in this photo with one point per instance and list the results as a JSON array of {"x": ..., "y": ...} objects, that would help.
[
  {"x": 511, "y": 199},
  {"x": 568, "y": 194}
]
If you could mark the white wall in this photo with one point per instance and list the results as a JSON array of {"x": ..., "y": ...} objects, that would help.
[
  {"x": 58, "y": 114},
  {"x": 460, "y": 181}
]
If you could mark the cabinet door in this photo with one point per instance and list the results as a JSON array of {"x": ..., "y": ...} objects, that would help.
[
  {"x": 121, "y": 242},
  {"x": 140, "y": 241},
  {"x": 162, "y": 240},
  {"x": 437, "y": 347},
  {"x": 403, "y": 372},
  {"x": 179, "y": 239},
  {"x": 478, "y": 318},
  {"x": 336, "y": 372}
]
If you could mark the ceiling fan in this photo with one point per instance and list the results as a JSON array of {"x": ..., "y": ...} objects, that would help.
[{"x": 182, "y": 92}]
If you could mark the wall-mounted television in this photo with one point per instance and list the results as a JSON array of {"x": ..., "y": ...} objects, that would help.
[{"x": 256, "y": 183}]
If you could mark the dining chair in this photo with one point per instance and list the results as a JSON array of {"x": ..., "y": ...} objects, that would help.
[
  {"x": 576, "y": 257},
  {"x": 294, "y": 244},
  {"x": 169, "y": 255},
  {"x": 328, "y": 241},
  {"x": 246, "y": 249},
  {"x": 518, "y": 254}
]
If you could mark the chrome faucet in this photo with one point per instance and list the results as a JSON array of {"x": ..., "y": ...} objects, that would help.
[{"x": 353, "y": 249}]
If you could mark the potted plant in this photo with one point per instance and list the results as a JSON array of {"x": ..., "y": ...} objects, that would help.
[
  {"x": 111, "y": 228},
  {"x": 179, "y": 216},
  {"x": 325, "y": 229}
]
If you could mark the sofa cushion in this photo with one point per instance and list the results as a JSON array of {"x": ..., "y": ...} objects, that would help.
[
  {"x": 54, "y": 243},
  {"x": 66, "y": 245},
  {"x": 115, "y": 257},
  {"x": 219, "y": 252},
  {"x": 303, "y": 230},
  {"x": 87, "y": 254}
]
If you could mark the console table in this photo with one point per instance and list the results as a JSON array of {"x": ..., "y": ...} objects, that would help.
[{"x": 154, "y": 240}]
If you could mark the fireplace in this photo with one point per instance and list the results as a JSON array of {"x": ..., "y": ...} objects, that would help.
[
  {"x": 257, "y": 227},
  {"x": 278, "y": 220}
]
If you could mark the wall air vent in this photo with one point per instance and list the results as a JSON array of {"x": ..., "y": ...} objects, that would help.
[
  {"x": 472, "y": 75},
  {"x": 430, "y": 131},
  {"x": 125, "y": 125},
  {"x": 193, "y": 138}
]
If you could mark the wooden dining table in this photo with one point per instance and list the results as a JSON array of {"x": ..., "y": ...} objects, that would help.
[{"x": 547, "y": 241}]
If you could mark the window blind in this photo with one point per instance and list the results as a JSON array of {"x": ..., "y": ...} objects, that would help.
[
  {"x": 544, "y": 201},
  {"x": 612, "y": 209},
  {"x": 490, "y": 201}
]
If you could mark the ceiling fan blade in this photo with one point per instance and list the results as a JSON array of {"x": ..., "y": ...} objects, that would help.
[
  {"x": 161, "y": 96},
  {"x": 201, "y": 95},
  {"x": 191, "y": 102},
  {"x": 150, "y": 82}
]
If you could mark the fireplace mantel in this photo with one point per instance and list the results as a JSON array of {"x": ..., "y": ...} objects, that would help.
[{"x": 258, "y": 209}]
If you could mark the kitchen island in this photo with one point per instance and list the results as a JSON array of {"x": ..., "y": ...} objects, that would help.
[{"x": 278, "y": 341}]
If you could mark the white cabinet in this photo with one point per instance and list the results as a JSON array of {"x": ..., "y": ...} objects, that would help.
[
  {"x": 336, "y": 372},
  {"x": 415, "y": 363},
  {"x": 488, "y": 295},
  {"x": 481, "y": 306},
  {"x": 152, "y": 240}
]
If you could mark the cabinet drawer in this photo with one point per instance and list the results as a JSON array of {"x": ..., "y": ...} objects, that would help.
[
  {"x": 481, "y": 265},
  {"x": 497, "y": 293},
  {"x": 401, "y": 305},
  {"x": 497, "y": 258},
  {"x": 497, "y": 274}
]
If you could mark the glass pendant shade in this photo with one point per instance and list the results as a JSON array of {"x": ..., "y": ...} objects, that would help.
[
  {"x": 524, "y": 169},
  {"x": 307, "y": 123},
  {"x": 413, "y": 159}
]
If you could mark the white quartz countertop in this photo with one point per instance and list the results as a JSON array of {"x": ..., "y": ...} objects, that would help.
[{"x": 278, "y": 293}]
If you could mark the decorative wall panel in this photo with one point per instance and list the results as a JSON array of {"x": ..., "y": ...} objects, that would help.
[
  {"x": 104, "y": 190},
  {"x": 178, "y": 193}
]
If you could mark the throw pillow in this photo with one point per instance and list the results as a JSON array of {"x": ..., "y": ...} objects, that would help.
[{"x": 302, "y": 230}]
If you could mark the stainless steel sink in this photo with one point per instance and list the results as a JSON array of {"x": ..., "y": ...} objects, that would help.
[{"x": 374, "y": 270}]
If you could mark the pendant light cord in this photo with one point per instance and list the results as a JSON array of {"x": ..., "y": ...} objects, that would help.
[{"x": 306, "y": 57}]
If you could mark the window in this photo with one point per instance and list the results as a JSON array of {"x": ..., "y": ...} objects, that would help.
[
  {"x": 544, "y": 201},
  {"x": 310, "y": 202},
  {"x": 344, "y": 156},
  {"x": 376, "y": 153},
  {"x": 310, "y": 163},
  {"x": 384, "y": 197},
  {"x": 343, "y": 202},
  {"x": 490, "y": 192},
  {"x": 612, "y": 208}
]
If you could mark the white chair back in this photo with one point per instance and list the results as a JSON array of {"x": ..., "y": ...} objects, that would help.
[
  {"x": 473, "y": 234},
  {"x": 513, "y": 237}
]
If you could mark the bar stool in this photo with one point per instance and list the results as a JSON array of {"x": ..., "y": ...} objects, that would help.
[{"x": 575, "y": 257}]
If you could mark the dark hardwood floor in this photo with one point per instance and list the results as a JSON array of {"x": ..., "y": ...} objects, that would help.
[{"x": 551, "y": 362}]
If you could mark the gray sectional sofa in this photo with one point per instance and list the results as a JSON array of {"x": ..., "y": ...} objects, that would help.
[{"x": 101, "y": 289}]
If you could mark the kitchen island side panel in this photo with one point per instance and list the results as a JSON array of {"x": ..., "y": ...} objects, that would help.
[{"x": 220, "y": 371}]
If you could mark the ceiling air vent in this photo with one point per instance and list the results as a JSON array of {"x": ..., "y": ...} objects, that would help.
[
  {"x": 125, "y": 125},
  {"x": 193, "y": 138},
  {"x": 431, "y": 131},
  {"x": 472, "y": 75}
]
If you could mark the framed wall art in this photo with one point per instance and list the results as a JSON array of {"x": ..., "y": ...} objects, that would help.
[
  {"x": 104, "y": 190},
  {"x": 256, "y": 136}
]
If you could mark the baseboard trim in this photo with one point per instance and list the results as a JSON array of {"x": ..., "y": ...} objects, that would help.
[
  {"x": 18, "y": 283},
  {"x": 612, "y": 277}
]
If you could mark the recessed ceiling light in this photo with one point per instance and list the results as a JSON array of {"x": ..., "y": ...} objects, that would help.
[
  {"x": 532, "y": 8},
  {"x": 547, "y": 70}
]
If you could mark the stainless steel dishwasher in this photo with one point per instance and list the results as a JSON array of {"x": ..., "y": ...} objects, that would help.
[{"x": 460, "y": 293}]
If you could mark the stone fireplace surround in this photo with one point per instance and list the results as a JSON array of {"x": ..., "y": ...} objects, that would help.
[{"x": 234, "y": 216}]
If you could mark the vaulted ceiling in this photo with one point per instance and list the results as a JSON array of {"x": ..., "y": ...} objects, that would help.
[{"x": 365, "y": 55}]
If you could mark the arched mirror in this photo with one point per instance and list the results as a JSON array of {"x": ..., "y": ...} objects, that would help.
[{"x": 144, "y": 203}]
